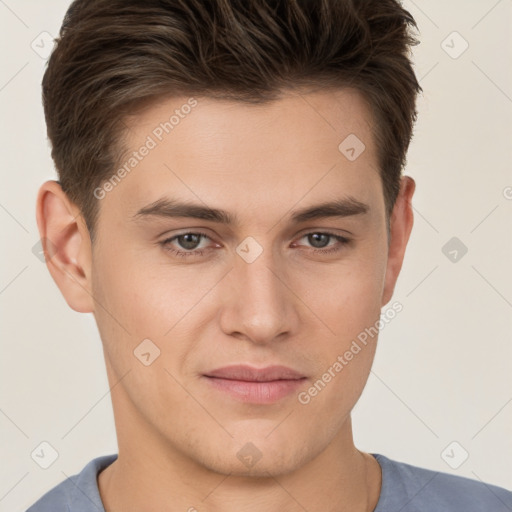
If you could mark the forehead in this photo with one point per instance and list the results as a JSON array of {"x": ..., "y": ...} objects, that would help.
[
  {"x": 321, "y": 116},
  {"x": 246, "y": 156}
]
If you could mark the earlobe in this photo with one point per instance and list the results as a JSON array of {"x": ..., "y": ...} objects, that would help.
[
  {"x": 66, "y": 244},
  {"x": 401, "y": 223}
]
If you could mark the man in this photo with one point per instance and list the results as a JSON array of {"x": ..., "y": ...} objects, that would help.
[{"x": 231, "y": 208}]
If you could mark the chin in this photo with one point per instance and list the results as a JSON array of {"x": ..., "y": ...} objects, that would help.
[
  {"x": 260, "y": 458},
  {"x": 266, "y": 467}
]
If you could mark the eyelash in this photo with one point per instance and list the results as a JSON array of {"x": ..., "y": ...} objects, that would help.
[{"x": 199, "y": 252}]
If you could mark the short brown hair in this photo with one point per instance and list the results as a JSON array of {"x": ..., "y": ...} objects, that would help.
[{"x": 112, "y": 56}]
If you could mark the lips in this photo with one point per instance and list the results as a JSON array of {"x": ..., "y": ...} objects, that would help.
[
  {"x": 250, "y": 374},
  {"x": 255, "y": 385}
]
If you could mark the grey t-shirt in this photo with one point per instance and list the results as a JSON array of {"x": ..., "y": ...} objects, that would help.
[{"x": 405, "y": 488}]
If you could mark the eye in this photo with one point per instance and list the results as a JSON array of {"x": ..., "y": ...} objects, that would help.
[
  {"x": 188, "y": 241},
  {"x": 320, "y": 239}
]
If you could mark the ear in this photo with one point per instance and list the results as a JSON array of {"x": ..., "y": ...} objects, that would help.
[
  {"x": 400, "y": 228},
  {"x": 66, "y": 244}
]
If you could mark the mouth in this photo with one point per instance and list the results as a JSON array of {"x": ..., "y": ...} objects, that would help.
[{"x": 252, "y": 385}]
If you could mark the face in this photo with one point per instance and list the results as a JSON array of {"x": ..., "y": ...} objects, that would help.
[{"x": 243, "y": 235}]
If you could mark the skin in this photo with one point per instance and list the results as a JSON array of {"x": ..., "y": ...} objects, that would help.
[{"x": 178, "y": 437}]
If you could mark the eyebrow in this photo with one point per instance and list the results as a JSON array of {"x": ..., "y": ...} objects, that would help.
[{"x": 170, "y": 208}]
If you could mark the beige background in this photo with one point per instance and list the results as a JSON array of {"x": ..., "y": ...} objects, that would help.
[{"x": 443, "y": 368}]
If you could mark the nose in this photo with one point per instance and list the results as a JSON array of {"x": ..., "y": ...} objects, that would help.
[{"x": 260, "y": 305}]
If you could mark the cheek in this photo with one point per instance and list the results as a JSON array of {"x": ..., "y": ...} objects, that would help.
[
  {"x": 348, "y": 304},
  {"x": 346, "y": 297},
  {"x": 146, "y": 298},
  {"x": 142, "y": 293},
  {"x": 129, "y": 308},
  {"x": 346, "y": 361}
]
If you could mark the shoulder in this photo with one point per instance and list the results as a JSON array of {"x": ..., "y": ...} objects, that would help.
[
  {"x": 410, "y": 488},
  {"x": 78, "y": 493}
]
